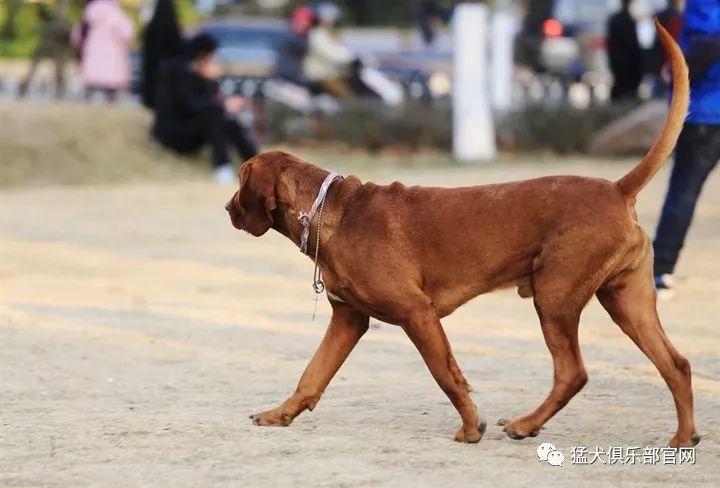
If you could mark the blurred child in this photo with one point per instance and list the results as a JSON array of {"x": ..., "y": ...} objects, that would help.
[
  {"x": 105, "y": 38},
  {"x": 329, "y": 63}
]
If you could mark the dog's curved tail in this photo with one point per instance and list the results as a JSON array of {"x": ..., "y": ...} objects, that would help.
[{"x": 631, "y": 184}]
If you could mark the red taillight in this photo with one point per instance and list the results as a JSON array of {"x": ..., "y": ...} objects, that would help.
[{"x": 552, "y": 28}]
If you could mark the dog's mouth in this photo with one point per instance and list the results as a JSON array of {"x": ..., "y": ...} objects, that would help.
[{"x": 235, "y": 211}]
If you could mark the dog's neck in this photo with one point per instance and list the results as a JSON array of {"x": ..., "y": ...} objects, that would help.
[{"x": 295, "y": 194}]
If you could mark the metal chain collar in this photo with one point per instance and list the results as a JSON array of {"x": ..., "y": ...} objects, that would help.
[{"x": 306, "y": 220}]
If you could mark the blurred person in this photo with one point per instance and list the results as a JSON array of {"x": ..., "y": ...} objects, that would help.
[
  {"x": 54, "y": 44},
  {"x": 161, "y": 40},
  {"x": 625, "y": 54},
  {"x": 671, "y": 19},
  {"x": 105, "y": 38},
  {"x": 190, "y": 112},
  {"x": 329, "y": 63},
  {"x": 294, "y": 48},
  {"x": 698, "y": 148},
  {"x": 430, "y": 21}
]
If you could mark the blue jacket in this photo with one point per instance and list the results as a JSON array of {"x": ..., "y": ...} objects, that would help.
[{"x": 702, "y": 18}]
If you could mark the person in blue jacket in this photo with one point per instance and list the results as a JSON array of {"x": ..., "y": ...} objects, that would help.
[{"x": 698, "y": 149}]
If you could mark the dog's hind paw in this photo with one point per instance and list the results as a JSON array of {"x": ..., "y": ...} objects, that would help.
[{"x": 471, "y": 437}]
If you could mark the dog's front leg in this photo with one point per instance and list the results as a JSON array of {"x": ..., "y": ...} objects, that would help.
[
  {"x": 346, "y": 328},
  {"x": 425, "y": 331}
]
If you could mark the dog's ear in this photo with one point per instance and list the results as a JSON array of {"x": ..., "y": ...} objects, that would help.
[{"x": 256, "y": 198}]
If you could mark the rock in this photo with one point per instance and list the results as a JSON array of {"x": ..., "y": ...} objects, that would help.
[{"x": 632, "y": 134}]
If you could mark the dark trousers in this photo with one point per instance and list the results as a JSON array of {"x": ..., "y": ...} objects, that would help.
[
  {"x": 697, "y": 153},
  {"x": 212, "y": 127}
]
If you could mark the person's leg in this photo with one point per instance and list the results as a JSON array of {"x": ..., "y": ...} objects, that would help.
[
  {"x": 215, "y": 134},
  {"x": 241, "y": 138},
  {"x": 337, "y": 87},
  {"x": 60, "y": 59},
  {"x": 89, "y": 93},
  {"x": 111, "y": 95},
  {"x": 213, "y": 121},
  {"x": 697, "y": 153},
  {"x": 27, "y": 81}
]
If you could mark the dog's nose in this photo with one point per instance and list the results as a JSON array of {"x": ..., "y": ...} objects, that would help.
[{"x": 227, "y": 206}]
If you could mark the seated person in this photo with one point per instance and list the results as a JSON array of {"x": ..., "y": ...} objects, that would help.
[
  {"x": 329, "y": 63},
  {"x": 190, "y": 112}
]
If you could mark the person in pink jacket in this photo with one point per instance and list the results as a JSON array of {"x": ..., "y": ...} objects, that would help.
[{"x": 105, "y": 37}]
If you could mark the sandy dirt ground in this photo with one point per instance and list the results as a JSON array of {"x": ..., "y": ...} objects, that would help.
[{"x": 138, "y": 331}]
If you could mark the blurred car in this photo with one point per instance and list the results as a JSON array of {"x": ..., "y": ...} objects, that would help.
[{"x": 567, "y": 37}]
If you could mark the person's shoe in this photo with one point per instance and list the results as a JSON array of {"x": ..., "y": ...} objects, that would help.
[
  {"x": 225, "y": 174},
  {"x": 664, "y": 286}
]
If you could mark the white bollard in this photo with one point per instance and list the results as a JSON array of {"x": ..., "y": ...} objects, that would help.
[
  {"x": 473, "y": 131},
  {"x": 504, "y": 29}
]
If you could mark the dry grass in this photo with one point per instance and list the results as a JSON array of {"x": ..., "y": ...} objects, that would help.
[
  {"x": 55, "y": 144},
  {"x": 71, "y": 143},
  {"x": 63, "y": 143}
]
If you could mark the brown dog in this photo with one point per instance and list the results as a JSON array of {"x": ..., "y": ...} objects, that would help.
[{"x": 411, "y": 256}]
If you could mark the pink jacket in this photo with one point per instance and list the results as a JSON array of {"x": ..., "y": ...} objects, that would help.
[{"x": 106, "y": 49}]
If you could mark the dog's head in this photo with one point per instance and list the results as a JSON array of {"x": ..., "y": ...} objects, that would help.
[{"x": 252, "y": 205}]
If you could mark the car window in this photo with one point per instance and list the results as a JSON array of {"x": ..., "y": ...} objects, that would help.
[
  {"x": 245, "y": 38},
  {"x": 245, "y": 44}
]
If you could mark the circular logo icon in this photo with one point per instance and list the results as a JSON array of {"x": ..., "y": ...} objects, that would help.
[{"x": 545, "y": 449}]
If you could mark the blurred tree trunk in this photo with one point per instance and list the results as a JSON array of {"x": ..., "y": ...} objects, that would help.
[{"x": 12, "y": 9}]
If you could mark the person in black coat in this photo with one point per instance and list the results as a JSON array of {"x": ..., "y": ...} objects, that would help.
[
  {"x": 625, "y": 54},
  {"x": 190, "y": 112},
  {"x": 162, "y": 40}
]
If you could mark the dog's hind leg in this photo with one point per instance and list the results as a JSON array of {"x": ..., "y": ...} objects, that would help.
[
  {"x": 425, "y": 331},
  {"x": 347, "y": 327},
  {"x": 631, "y": 302},
  {"x": 558, "y": 303}
]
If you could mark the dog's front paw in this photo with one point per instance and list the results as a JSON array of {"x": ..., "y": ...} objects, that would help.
[
  {"x": 272, "y": 418},
  {"x": 518, "y": 429}
]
